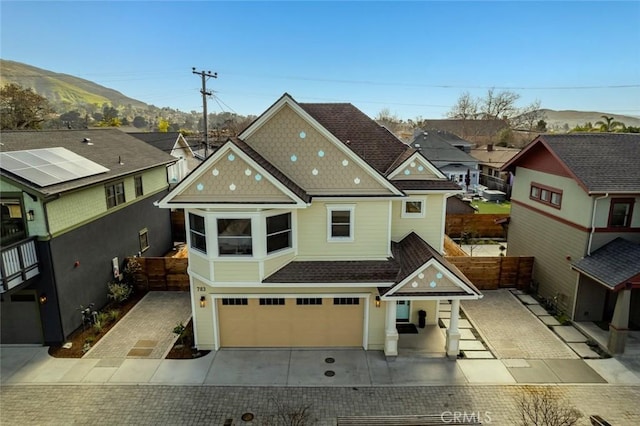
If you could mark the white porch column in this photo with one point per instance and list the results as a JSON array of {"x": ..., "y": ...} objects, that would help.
[
  {"x": 619, "y": 326},
  {"x": 391, "y": 332},
  {"x": 452, "y": 344}
]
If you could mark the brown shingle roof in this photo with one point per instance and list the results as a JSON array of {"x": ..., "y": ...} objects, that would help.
[
  {"x": 426, "y": 185},
  {"x": 372, "y": 142}
]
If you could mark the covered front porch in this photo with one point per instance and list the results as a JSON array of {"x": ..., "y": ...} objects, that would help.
[{"x": 608, "y": 295}]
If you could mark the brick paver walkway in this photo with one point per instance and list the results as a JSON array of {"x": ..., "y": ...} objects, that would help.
[
  {"x": 147, "y": 330},
  {"x": 188, "y": 405},
  {"x": 511, "y": 330}
]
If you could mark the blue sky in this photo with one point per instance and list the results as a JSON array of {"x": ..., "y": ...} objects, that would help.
[{"x": 414, "y": 58}]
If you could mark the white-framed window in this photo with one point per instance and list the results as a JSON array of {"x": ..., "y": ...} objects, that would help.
[
  {"x": 234, "y": 237},
  {"x": 278, "y": 232},
  {"x": 413, "y": 208},
  {"x": 197, "y": 233},
  {"x": 340, "y": 222}
]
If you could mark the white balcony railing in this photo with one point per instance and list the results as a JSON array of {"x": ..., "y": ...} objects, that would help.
[{"x": 19, "y": 263}]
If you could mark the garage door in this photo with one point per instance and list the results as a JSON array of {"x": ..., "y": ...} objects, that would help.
[
  {"x": 291, "y": 322},
  {"x": 20, "y": 319}
]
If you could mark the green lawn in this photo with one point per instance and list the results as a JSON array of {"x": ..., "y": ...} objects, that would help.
[{"x": 491, "y": 207}]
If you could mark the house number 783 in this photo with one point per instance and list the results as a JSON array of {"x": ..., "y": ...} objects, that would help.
[{"x": 201, "y": 289}]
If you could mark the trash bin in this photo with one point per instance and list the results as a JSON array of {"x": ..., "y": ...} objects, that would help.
[{"x": 422, "y": 318}]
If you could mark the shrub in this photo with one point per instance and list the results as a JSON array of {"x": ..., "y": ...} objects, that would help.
[
  {"x": 540, "y": 406},
  {"x": 179, "y": 331},
  {"x": 119, "y": 292},
  {"x": 114, "y": 314}
]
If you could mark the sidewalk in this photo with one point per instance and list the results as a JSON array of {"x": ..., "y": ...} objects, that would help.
[{"x": 500, "y": 319}]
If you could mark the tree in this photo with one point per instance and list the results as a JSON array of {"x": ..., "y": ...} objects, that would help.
[
  {"x": 499, "y": 105},
  {"x": 609, "y": 125},
  {"x": 466, "y": 108},
  {"x": 541, "y": 126},
  {"x": 139, "y": 122},
  {"x": 163, "y": 125},
  {"x": 542, "y": 406},
  {"x": 22, "y": 108},
  {"x": 388, "y": 120},
  {"x": 529, "y": 117}
]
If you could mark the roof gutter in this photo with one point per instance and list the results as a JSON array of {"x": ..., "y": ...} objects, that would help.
[{"x": 593, "y": 220}]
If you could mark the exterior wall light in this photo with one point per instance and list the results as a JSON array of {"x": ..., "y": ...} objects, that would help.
[
  {"x": 377, "y": 301},
  {"x": 31, "y": 215},
  {"x": 43, "y": 298},
  {"x": 203, "y": 301}
]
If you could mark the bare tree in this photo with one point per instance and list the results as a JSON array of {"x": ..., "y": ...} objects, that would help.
[
  {"x": 388, "y": 120},
  {"x": 540, "y": 406},
  {"x": 528, "y": 117},
  {"x": 466, "y": 108},
  {"x": 499, "y": 105}
]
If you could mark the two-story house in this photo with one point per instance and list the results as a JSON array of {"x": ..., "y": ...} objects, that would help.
[
  {"x": 175, "y": 144},
  {"x": 449, "y": 153},
  {"x": 74, "y": 204},
  {"x": 573, "y": 207},
  {"x": 316, "y": 227},
  {"x": 491, "y": 159}
]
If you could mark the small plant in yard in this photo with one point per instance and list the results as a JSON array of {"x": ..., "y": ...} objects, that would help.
[
  {"x": 114, "y": 314},
  {"x": 179, "y": 331},
  {"x": 119, "y": 292}
]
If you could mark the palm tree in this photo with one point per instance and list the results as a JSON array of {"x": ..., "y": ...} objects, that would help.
[{"x": 609, "y": 125}]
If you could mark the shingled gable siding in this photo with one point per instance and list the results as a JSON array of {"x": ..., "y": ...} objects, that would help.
[
  {"x": 554, "y": 244},
  {"x": 371, "y": 235},
  {"x": 87, "y": 204},
  {"x": 428, "y": 228},
  {"x": 297, "y": 149}
]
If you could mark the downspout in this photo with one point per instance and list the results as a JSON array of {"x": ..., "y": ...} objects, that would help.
[{"x": 593, "y": 220}]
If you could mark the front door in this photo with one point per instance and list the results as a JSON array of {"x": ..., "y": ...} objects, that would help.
[{"x": 402, "y": 311}]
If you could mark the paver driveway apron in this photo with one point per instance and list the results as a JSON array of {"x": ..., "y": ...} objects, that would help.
[
  {"x": 146, "y": 332},
  {"x": 512, "y": 331}
]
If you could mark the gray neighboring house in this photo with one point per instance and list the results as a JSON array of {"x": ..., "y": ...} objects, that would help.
[
  {"x": 176, "y": 145},
  {"x": 75, "y": 204},
  {"x": 448, "y": 153},
  {"x": 574, "y": 207}
]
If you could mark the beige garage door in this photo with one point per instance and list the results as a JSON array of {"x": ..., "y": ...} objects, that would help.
[{"x": 292, "y": 322}]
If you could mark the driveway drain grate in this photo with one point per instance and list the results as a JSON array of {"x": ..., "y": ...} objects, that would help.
[
  {"x": 329, "y": 373},
  {"x": 247, "y": 417},
  {"x": 329, "y": 360}
]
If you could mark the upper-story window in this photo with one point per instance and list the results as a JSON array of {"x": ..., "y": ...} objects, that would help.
[
  {"x": 546, "y": 195},
  {"x": 138, "y": 185},
  {"x": 413, "y": 208},
  {"x": 13, "y": 220},
  {"x": 234, "y": 237},
  {"x": 115, "y": 194},
  {"x": 197, "y": 232},
  {"x": 340, "y": 222},
  {"x": 621, "y": 212},
  {"x": 278, "y": 232}
]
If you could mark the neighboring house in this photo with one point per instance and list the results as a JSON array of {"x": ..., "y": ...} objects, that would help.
[
  {"x": 445, "y": 151},
  {"x": 316, "y": 227},
  {"x": 477, "y": 131},
  {"x": 456, "y": 205},
  {"x": 491, "y": 158},
  {"x": 574, "y": 206},
  {"x": 176, "y": 145},
  {"x": 74, "y": 204}
]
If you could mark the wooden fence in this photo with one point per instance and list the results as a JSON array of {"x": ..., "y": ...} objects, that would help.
[
  {"x": 475, "y": 225},
  {"x": 491, "y": 273},
  {"x": 162, "y": 273},
  {"x": 451, "y": 248}
]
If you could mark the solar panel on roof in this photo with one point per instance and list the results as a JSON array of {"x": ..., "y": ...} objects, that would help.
[{"x": 49, "y": 166}]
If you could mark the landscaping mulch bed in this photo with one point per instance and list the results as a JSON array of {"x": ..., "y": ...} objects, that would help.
[
  {"x": 80, "y": 336},
  {"x": 183, "y": 349}
]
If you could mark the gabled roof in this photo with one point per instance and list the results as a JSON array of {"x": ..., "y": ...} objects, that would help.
[
  {"x": 409, "y": 256},
  {"x": 435, "y": 146},
  {"x": 164, "y": 141},
  {"x": 372, "y": 142},
  {"x": 599, "y": 162},
  {"x": 496, "y": 156},
  {"x": 259, "y": 176},
  {"x": 613, "y": 265},
  {"x": 119, "y": 152}
]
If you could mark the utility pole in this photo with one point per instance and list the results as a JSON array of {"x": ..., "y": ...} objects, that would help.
[{"x": 205, "y": 76}]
